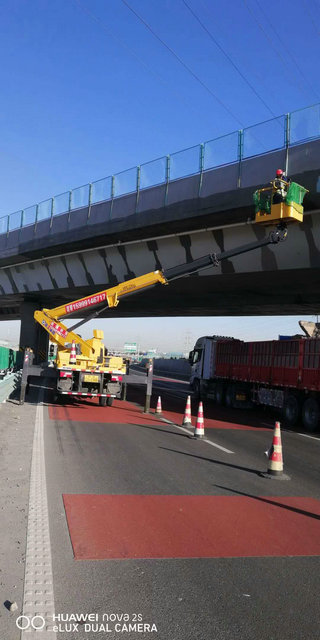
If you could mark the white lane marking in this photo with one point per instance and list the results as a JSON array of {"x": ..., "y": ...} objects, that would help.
[
  {"x": 305, "y": 435},
  {"x": 159, "y": 377},
  {"x": 297, "y": 433},
  {"x": 164, "y": 379},
  {"x": 188, "y": 431},
  {"x": 38, "y": 597},
  {"x": 285, "y": 430},
  {"x": 218, "y": 446},
  {"x": 175, "y": 425}
]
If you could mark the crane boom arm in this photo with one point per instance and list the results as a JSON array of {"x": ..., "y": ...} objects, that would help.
[
  {"x": 49, "y": 318},
  {"x": 110, "y": 297}
]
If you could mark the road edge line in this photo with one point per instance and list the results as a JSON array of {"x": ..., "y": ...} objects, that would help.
[{"x": 38, "y": 597}]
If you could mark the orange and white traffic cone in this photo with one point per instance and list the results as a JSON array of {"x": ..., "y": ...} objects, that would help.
[
  {"x": 275, "y": 460},
  {"x": 73, "y": 353},
  {"x": 199, "y": 428},
  {"x": 186, "y": 422},
  {"x": 158, "y": 407}
]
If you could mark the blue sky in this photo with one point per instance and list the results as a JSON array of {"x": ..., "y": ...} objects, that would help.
[
  {"x": 176, "y": 334},
  {"x": 88, "y": 90}
]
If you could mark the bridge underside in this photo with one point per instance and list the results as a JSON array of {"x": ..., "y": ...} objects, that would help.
[{"x": 224, "y": 295}]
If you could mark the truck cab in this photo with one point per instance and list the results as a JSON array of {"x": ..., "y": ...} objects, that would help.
[
  {"x": 199, "y": 359},
  {"x": 203, "y": 367},
  {"x": 202, "y": 359}
]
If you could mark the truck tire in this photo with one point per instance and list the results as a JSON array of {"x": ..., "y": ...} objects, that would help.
[
  {"x": 109, "y": 402},
  {"x": 311, "y": 414},
  {"x": 230, "y": 395},
  {"x": 291, "y": 410},
  {"x": 103, "y": 401},
  {"x": 220, "y": 391}
]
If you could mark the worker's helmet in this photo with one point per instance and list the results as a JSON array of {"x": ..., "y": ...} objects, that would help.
[{"x": 279, "y": 172}]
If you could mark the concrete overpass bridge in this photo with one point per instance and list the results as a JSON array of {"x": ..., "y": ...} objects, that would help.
[{"x": 170, "y": 211}]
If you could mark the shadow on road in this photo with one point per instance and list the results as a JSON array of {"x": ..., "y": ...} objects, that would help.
[
  {"x": 268, "y": 501},
  {"x": 219, "y": 462},
  {"x": 150, "y": 426}
]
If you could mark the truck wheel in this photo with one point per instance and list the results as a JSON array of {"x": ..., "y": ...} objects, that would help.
[
  {"x": 219, "y": 393},
  {"x": 110, "y": 401},
  {"x": 197, "y": 389},
  {"x": 103, "y": 401},
  {"x": 230, "y": 395},
  {"x": 311, "y": 414},
  {"x": 291, "y": 410}
]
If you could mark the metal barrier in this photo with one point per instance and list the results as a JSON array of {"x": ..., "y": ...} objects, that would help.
[
  {"x": 278, "y": 133},
  {"x": 8, "y": 384}
]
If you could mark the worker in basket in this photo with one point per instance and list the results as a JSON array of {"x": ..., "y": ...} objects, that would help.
[
  {"x": 280, "y": 202},
  {"x": 280, "y": 185}
]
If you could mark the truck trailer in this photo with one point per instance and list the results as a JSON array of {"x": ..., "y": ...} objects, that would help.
[{"x": 284, "y": 374}]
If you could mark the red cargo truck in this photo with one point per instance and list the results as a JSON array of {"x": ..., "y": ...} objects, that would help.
[{"x": 279, "y": 373}]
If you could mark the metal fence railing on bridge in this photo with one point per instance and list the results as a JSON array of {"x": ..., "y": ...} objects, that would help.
[{"x": 278, "y": 133}]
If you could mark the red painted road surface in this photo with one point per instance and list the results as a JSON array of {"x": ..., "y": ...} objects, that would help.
[
  {"x": 90, "y": 411},
  {"x": 128, "y": 413},
  {"x": 144, "y": 526}
]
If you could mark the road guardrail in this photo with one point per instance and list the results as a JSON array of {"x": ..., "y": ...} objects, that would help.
[{"x": 8, "y": 384}]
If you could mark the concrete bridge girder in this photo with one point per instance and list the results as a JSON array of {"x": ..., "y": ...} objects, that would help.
[{"x": 244, "y": 281}]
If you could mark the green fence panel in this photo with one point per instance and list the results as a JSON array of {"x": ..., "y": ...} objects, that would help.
[
  {"x": 4, "y": 358},
  {"x": 10, "y": 358}
]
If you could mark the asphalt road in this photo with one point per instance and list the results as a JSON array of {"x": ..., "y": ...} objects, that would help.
[{"x": 178, "y": 533}]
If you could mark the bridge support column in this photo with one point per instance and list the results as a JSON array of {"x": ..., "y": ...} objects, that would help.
[{"x": 31, "y": 334}]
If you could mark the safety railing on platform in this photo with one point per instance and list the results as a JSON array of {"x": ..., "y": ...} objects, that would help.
[{"x": 278, "y": 133}]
